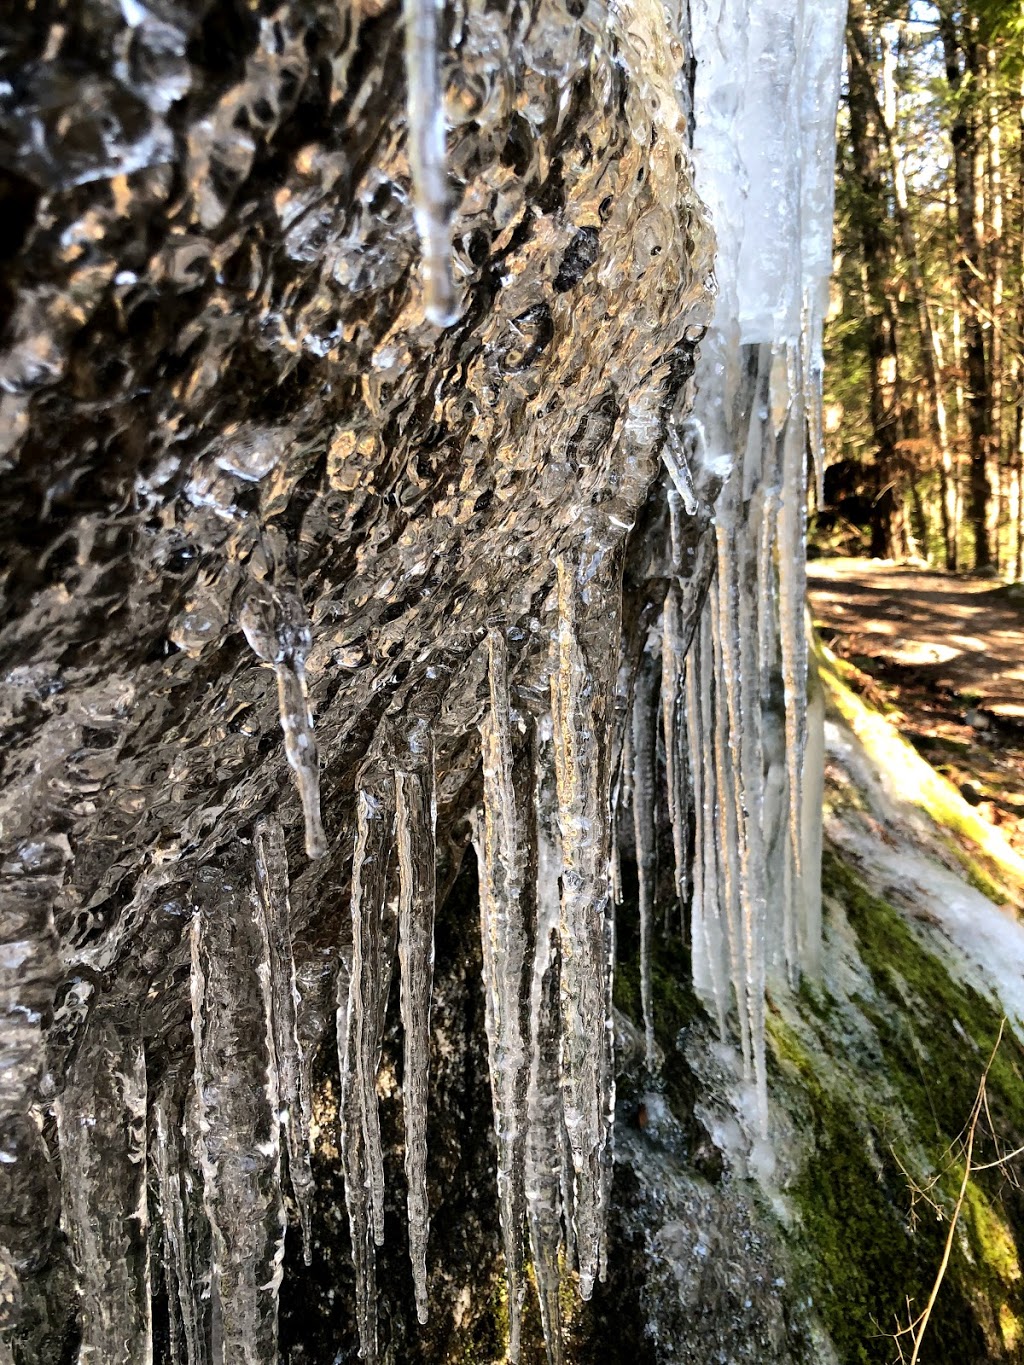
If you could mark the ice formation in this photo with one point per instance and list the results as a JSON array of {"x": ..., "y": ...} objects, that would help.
[
  {"x": 765, "y": 96},
  {"x": 539, "y": 547}
]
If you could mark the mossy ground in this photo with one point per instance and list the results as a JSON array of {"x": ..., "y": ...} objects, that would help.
[
  {"x": 871, "y": 1122},
  {"x": 876, "y": 1123}
]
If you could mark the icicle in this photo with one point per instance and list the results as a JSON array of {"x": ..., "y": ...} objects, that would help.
[
  {"x": 767, "y": 601},
  {"x": 727, "y": 834},
  {"x": 814, "y": 800},
  {"x": 680, "y": 455},
  {"x": 644, "y": 835},
  {"x": 296, "y": 1103},
  {"x": 182, "y": 1290},
  {"x": 363, "y": 984},
  {"x": 503, "y": 839},
  {"x": 353, "y": 1159},
  {"x": 738, "y": 646},
  {"x": 415, "y": 818},
  {"x": 544, "y": 1165},
  {"x": 374, "y": 836},
  {"x": 101, "y": 1121},
  {"x": 792, "y": 534},
  {"x": 239, "y": 1132},
  {"x": 586, "y": 929},
  {"x": 427, "y": 157},
  {"x": 673, "y": 657},
  {"x": 820, "y": 46},
  {"x": 706, "y": 937},
  {"x": 30, "y": 880},
  {"x": 31, "y": 876},
  {"x": 276, "y": 626}
]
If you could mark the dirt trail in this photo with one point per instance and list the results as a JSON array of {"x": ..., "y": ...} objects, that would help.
[
  {"x": 943, "y": 655},
  {"x": 965, "y": 634}
]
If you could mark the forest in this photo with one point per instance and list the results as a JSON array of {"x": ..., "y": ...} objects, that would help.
[{"x": 925, "y": 343}]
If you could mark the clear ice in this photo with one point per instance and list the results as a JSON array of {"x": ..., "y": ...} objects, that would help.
[
  {"x": 427, "y": 159},
  {"x": 554, "y": 567},
  {"x": 416, "y": 818},
  {"x": 504, "y": 855},
  {"x": 292, "y": 1076},
  {"x": 276, "y": 627}
]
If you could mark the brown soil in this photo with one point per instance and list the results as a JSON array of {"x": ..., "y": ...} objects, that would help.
[{"x": 943, "y": 656}]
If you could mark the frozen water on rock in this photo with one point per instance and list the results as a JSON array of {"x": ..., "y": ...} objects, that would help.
[
  {"x": 765, "y": 96},
  {"x": 416, "y": 818},
  {"x": 225, "y": 401},
  {"x": 277, "y": 628},
  {"x": 293, "y": 1085},
  {"x": 236, "y": 1083},
  {"x": 580, "y": 699},
  {"x": 101, "y": 1119}
]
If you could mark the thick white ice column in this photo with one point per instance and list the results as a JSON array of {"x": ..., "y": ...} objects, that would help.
[{"x": 765, "y": 95}]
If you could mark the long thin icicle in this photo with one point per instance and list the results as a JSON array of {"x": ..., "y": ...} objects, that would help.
[
  {"x": 585, "y": 932},
  {"x": 427, "y": 157},
  {"x": 30, "y": 881},
  {"x": 353, "y": 1160},
  {"x": 276, "y": 626},
  {"x": 673, "y": 656},
  {"x": 362, "y": 989},
  {"x": 416, "y": 816},
  {"x": 101, "y": 1122},
  {"x": 738, "y": 654},
  {"x": 296, "y": 1104},
  {"x": 544, "y": 1100},
  {"x": 727, "y": 834},
  {"x": 792, "y": 523},
  {"x": 185, "y": 1314},
  {"x": 239, "y": 1132},
  {"x": 644, "y": 837},
  {"x": 706, "y": 937},
  {"x": 503, "y": 837},
  {"x": 374, "y": 835}
]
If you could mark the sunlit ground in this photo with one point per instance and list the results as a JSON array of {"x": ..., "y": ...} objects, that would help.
[{"x": 943, "y": 655}]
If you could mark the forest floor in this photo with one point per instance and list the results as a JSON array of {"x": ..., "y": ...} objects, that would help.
[{"x": 942, "y": 655}]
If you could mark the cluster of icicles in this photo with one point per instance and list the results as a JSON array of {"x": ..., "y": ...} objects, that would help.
[
  {"x": 723, "y": 680},
  {"x": 545, "y": 843}
]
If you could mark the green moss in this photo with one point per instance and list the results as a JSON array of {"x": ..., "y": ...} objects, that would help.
[
  {"x": 862, "y": 1252},
  {"x": 993, "y": 1237},
  {"x": 675, "y": 1008}
]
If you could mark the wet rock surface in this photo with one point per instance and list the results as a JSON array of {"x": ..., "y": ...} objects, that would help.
[{"x": 248, "y": 486}]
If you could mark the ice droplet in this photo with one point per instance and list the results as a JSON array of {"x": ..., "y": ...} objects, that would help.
[{"x": 276, "y": 626}]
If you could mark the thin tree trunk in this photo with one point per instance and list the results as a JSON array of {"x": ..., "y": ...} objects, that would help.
[
  {"x": 883, "y": 355},
  {"x": 1018, "y": 458},
  {"x": 959, "y": 44},
  {"x": 995, "y": 271}
]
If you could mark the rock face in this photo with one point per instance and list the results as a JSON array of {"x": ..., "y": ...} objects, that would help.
[
  {"x": 258, "y": 518},
  {"x": 303, "y": 593}
]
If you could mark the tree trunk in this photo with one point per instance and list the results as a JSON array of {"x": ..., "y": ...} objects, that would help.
[
  {"x": 883, "y": 356},
  {"x": 994, "y": 257},
  {"x": 960, "y": 50}
]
